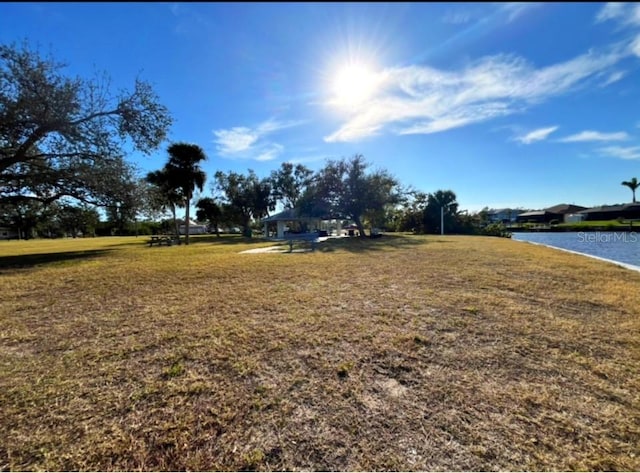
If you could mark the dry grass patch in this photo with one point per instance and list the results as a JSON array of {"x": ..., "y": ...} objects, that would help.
[{"x": 403, "y": 353}]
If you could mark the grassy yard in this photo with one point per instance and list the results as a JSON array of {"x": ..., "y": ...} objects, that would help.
[
  {"x": 613, "y": 224},
  {"x": 401, "y": 353}
]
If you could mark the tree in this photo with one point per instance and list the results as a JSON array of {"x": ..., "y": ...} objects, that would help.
[
  {"x": 633, "y": 184},
  {"x": 26, "y": 216},
  {"x": 185, "y": 174},
  {"x": 63, "y": 136},
  {"x": 413, "y": 204},
  {"x": 248, "y": 197},
  {"x": 445, "y": 200},
  {"x": 343, "y": 189},
  {"x": 74, "y": 220},
  {"x": 289, "y": 183},
  {"x": 127, "y": 200},
  {"x": 166, "y": 195},
  {"x": 209, "y": 211}
]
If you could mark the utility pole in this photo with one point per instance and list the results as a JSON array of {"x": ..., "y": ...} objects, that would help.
[{"x": 442, "y": 220}]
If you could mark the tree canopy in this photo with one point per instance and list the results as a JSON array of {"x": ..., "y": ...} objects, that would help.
[
  {"x": 344, "y": 189},
  {"x": 247, "y": 197},
  {"x": 633, "y": 184},
  {"x": 67, "y": 136},
  {"x": 289, "y": 183},
  {"x": 185, "y": 174}
]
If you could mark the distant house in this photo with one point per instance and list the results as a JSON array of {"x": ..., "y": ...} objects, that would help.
[
  {"x": 560, "y": 212},
  {"x": 503, "y": 215},
  {"x": 8, "y": 233},
  {"x": 536, "y": 216},
  {"x": 194, "y": 228},
  {"x": 612, "y": 212},
  {"x": 565, "y": 209}
]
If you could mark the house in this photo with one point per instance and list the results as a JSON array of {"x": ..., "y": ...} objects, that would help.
[
  {"x": 559, "y": 212},
  {"x": 503, "y": 215},
  {"x": 194, "y": 228},
  {"x": 8, "y": 233},
  {"x": 564, "y": 210},
  {"x": 612, "y": 212},
  {"x": 537, "y": 216}
]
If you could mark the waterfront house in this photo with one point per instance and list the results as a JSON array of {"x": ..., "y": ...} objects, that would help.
[
  {"x": 559, "y": 213},
  {"x": 613, "y": 212},
  {"x": 503, "y": 215}
]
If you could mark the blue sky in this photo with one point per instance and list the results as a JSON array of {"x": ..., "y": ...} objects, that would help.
[{"x": 507, "y": 104}]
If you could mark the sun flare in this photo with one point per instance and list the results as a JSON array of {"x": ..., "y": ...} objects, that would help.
[{"x": 354, "y": 84}]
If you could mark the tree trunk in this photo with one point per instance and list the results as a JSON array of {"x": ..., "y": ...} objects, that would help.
[
  {"x": 175, "y": 223},
  {"x": 360, "y": 227},
  {"x": 246, "y": 231},
  {"x": 186, "y": 223}
]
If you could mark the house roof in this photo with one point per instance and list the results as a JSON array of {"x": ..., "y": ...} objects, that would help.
[
  {"x": 612, "y": 208},
  {"x": 535, "y": 213},
  {"x": 497, "y": 211},
  {"x": 565, "y": 209},
  {"x": 287, "y": 215}
]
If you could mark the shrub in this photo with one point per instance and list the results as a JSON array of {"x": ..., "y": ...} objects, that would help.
[{"x": 496, "y": 229}]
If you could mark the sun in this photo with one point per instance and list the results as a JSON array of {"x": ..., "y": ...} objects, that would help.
[{"x": 354, "y": 84}]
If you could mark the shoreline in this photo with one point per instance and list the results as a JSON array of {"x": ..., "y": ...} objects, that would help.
[{"x": 606, "y": 260}]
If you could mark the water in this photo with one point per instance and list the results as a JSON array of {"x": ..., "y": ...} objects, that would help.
[{"x": 623, "y": 247}]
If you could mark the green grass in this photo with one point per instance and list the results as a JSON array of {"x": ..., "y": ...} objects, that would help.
[
  {"x": 401, "y": 353},
  {"x": 601, "y": 224}
]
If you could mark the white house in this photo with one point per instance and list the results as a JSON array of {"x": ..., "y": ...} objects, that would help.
[{"x": 194, "y": 228}]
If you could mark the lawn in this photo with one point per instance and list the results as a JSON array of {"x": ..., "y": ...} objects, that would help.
[
  {"x": 623, "y": 224},
  {"x": 400, "y": 353}
]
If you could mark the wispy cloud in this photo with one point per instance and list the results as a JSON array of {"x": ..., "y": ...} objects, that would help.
[
  {"x": 536, "y": 135},
  {"x": 517, "y": 9},
  {"x": 622, "y": 152},
  {"x": 457, "y": 17},
  {"x": 421, "y": 99},
  {"x": 610, "y": 11},
  {"x": 627, "y": 14},
  {"x": 590, "y": 135},
  {"x": 187, "y": 19},
  {"x": 613, "y": 77},
  {"x": 245, "y": 142},
  {"x": 270, "y": 153}
]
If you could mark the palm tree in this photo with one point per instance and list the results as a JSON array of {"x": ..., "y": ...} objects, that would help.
[
  {"x": 185, "y": 173},
  {"x": 167, "y": 195},
  {"x": 633, "y": 184}
]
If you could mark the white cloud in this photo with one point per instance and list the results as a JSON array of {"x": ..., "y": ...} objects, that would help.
[
  {"x": 611, "y": 11},
  {"x": 270, "y": 153},
  {"x": 516, "y": 9},
  {"x": 627, "y": 14},
  {"x": 235, "y": 140},
  {"x": 613, "y": 77},
  {"x": 590, "y": 135},
  {"x": 622, "y": 152},
  {"x": 634, "y": 47},
  {"x": 422, "y": 99},
  {"x": 458, "y": 17},
  {"x": 253, "y": 143},
  {"x": 536, "y": 135}
]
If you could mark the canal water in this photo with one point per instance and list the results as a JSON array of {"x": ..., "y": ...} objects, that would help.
[{"x": 621, "y": 247}]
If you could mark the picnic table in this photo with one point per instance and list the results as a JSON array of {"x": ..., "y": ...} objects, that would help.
[
  {"x": 161, "y": 240},
  {"x": 304, "y": 237}
]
